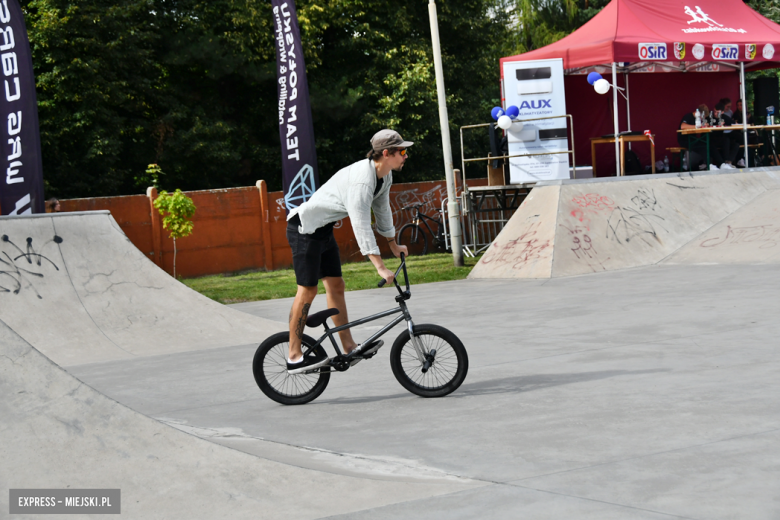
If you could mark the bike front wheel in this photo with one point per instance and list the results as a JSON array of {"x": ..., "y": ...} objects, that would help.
[
  {"x": 413, "y": 237},
  {"x": 448, "y": 365},
  {"x": 270, "y": 370}
]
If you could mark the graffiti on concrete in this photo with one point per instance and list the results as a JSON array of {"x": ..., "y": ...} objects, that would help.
[
  {"x": 584, "y": 248},
  {"x": 590, "y": 204},
  {"x": 626, "y": 224},
  {"x": 645, "y": 199},
  {"x": 638, "y": 220},
  {"x": 766, "y": 235},
  {"x": 518, "y": 252},
  {"x": 19, "y": 268}
]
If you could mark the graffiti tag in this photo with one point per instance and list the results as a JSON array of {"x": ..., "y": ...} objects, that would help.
[
  {"x": 767, "y": 235},
  {"x": 20, "y": 268},
  {"x": 520, "y": 251}
]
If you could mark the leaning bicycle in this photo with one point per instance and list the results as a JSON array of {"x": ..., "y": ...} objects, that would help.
[
  {"x": 414, "y": 237},
  {"x": 427, "y": 360}
]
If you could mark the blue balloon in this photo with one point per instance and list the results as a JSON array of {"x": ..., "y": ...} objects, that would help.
[
  {"x": 497, "y": 112},
  {"x": 593, "y": 77},
  {"x": 512, "y": 112}
]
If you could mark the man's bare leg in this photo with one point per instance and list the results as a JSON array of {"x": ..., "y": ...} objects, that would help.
[
  {"x": 298, "y": 315},
  {"x": 334, "y": 290}
]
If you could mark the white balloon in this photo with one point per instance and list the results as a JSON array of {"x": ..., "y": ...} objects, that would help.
[
  {"x": 602, "y": 86},
  {"x": 504, "y": 122}
]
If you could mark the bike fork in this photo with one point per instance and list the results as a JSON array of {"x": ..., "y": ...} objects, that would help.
[{"x": 421, "y": 354}]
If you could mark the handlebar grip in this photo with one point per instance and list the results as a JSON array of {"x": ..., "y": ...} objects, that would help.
[{"x": 382, "y": 283}]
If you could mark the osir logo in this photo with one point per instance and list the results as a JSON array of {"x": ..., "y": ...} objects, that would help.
[
  {"x": 725, "y": 51},
  {"x": 698, "y": 51},
  {"x": 679, "y": 50},
  {"x": 750, "y": 51},
  {"x": 769, "y": 51},
  {"x": 652, "y": 51}
]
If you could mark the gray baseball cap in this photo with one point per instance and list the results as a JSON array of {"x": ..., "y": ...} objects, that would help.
[{"x": 387, "y": 138}]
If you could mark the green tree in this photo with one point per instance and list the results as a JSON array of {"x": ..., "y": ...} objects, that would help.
[
  {"x": 192, "y": 85},
  {"x": 542, "y": 22},
  {"x": 95, "y": 68},
  {"x": 176, "y": 209}
]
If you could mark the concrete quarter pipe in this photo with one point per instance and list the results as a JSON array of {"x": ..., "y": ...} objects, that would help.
[
  {"x": 73, "y": 289},
  {"x": 567, "y": 228}
]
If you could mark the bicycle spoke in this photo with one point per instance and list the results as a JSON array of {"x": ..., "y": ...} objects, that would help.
[{"x": 442, "y": 371}]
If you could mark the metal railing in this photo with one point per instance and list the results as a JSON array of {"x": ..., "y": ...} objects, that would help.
[
  {"x": 483, "y": 125},
  {"x": 482, "y": 225}
]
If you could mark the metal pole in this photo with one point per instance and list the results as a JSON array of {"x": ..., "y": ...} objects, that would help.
[
  {"x": 615, "y": 110},
  {"x": 628, "y": 103},
  {"x": 744, "y": 111},
  {"x": 453, "y": 210},
  {"x": 628, "y": 106}
]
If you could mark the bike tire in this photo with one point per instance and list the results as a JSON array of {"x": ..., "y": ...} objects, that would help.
[
  {"x": 269, "y": 367},
  {"x": 451, "y": 363},
  {"x": 413, "y": 237}
]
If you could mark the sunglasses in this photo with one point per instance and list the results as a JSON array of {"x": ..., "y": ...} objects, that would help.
[{"x": 402, "y": 151}]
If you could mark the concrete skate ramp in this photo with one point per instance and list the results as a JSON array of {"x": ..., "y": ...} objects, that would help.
[
  {"x": 57, "y": 432},
  {"x": 750, "y": 235},
  {"x": 76, "y": 288},
  {"x": 567, "y": 228}
]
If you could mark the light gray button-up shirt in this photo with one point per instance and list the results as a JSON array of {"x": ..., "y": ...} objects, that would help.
[{"x": 350, "y": 193}]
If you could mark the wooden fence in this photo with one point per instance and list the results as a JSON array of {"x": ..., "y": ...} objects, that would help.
[{"x": 240, "y": 229}]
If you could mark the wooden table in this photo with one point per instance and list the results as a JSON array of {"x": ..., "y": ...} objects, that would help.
[
  {"x": 697, "y": 134},
  {"x": 622, "y": 140}
]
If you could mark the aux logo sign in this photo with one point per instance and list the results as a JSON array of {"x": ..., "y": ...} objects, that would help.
[
  {"x": 536, "y": 104},
  {"x": 725, "y": 51},
  {"x": 652, "y": 51}
]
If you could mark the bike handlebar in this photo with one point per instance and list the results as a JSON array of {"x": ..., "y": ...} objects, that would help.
[{"x": 395, "y": 278}]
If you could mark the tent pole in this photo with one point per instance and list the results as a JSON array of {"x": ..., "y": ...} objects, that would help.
[
  {"x": 615, "y": 113},
  {"x": 628, "y": 107},
  {"x": 628, "y": 103},
  {"x": 744, "y": 110}
]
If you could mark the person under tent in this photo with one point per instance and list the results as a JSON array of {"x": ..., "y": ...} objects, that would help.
[
  {"x": 697, "y": 151},
  {"x": 727, "y": 106},
  {"x": 723, "y": 139}
]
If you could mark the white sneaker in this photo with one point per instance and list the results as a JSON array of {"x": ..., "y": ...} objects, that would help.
[
  {"x": 713, "y": 167},
  {"x": 741, "y": 163},
  {"x": 726, "y": 166}
]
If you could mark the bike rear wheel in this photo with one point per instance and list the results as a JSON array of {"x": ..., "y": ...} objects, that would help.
[
  {"x": 270, "y": 370},
  {"x": 413, "y": 237},
  {"x": 447, "y": 371}
]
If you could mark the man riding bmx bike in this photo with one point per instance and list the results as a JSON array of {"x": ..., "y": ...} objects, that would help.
[{"x": 352, "y": 192}]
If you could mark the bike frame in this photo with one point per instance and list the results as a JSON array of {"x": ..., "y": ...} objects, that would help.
[
  {"x": 403, "y": 310},
  {"x": 419, "y": 218}
]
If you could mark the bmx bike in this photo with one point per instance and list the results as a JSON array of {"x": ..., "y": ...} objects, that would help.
[
  {"x": 414, "y": 237},
  {"x": 427, "y": 360}
]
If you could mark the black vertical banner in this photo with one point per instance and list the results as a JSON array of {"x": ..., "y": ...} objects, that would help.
[
  {"x": 300, "y": 177},
  {"x": 21, "y": 176}
]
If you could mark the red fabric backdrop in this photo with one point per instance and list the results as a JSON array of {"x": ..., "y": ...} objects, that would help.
[{"x": 658, "y": 103}]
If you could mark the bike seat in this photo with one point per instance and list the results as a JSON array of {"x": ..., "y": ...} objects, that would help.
[{"x": 318, "y": 318}]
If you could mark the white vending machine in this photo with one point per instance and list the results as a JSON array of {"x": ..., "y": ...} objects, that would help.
[{"x": 536, "y": 89}]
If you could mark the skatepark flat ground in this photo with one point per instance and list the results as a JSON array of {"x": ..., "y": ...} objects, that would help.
[{"x": 651, "y": 392}]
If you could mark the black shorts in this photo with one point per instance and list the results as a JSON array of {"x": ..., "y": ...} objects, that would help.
[{"x": 315, "y": 256}]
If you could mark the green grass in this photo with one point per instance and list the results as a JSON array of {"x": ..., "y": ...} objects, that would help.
[{"x": 249, "y": 287}]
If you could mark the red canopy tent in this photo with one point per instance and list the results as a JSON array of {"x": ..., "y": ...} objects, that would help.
[{"x": 714, "y": 39}]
